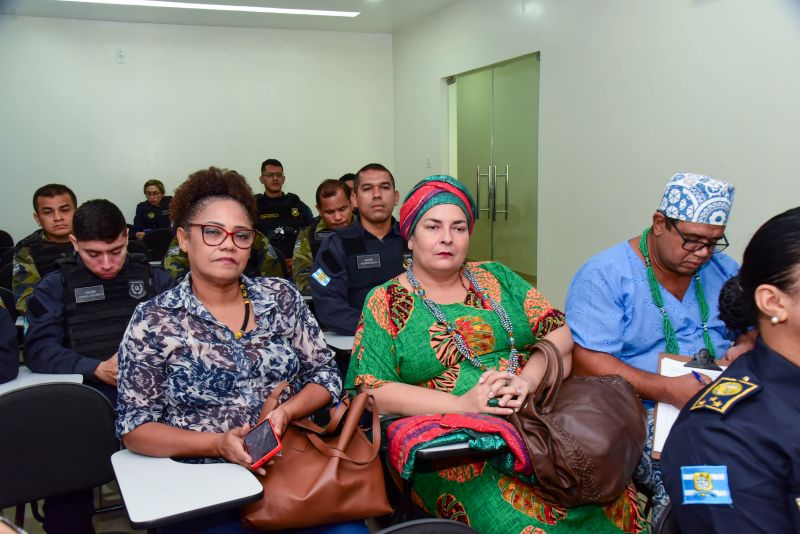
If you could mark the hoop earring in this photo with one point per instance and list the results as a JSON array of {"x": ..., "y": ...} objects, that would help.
[{"x": 774, "y": 320}]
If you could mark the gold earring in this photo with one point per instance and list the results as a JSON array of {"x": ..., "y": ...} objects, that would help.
[{"x": 774, "y": 320}]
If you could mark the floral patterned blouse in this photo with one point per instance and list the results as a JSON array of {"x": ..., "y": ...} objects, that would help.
[{"x": 178, "y": 365}]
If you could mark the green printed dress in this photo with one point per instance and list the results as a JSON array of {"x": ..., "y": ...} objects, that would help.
[{"x": 399, "y": 340}]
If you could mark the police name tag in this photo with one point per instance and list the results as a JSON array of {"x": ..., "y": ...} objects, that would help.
[
  {"x": 89, "y": 294},
  {"x": 368, "y": 261},
  {"x": 705, "y": 484}
]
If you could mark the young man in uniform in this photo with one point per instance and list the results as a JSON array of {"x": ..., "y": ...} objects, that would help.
[
  {"x": 76, "y": 318},
  {"x": 335, "y": 211},
  {"x": 36, "y": 255},
  {"x": 361, "y": 256},
  {"x": 280, "y": 215}
]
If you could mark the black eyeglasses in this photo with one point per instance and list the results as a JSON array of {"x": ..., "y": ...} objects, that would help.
[
  {"x": 694, "y": 245},
  {"x": 214, "y": 235}
]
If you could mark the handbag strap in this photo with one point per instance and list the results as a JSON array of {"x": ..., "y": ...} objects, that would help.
[
  {"x": 273, "y": 401},
  {"x": 350, "y": 427},
  {"x": 553, "y": 375}
]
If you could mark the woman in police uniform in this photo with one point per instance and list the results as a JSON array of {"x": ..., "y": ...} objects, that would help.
[{"x": 732, "y": 460}]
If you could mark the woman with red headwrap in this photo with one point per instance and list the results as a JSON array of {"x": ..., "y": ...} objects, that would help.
[{"x": 450, "y": 336}]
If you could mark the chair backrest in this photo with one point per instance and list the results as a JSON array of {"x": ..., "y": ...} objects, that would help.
[
  {"x": 158, "y": 241},
  {"x": 9, "y": 302},
  {"x": 57, "y": 438},
  {"x": 429, "y": 526},
  {"x": 668, "y": 522},
  {"x": 5, "y": 239},
  {"x": 137, "y": 247},
  {"x": 6, "y": 273}
]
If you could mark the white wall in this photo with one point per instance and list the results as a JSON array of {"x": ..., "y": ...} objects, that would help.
[
  {"x": 631, "y": 92},
  {"x": 186, "y": 97}
]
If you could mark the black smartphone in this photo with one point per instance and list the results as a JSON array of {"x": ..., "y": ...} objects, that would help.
[{"x": 261, "y": 443}]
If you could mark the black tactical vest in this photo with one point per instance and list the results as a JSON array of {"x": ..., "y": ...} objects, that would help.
[
  {"x": 45, "y": 254},
  {"x": 370, "y": 262},
  {"x": 97, "y": 311},
  {"x": 280, "y": 219},
  {"x": 315, "y": 238}
]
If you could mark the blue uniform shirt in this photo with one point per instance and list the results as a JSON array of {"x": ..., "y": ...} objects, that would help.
[
  {"x": 348, "y": 265},
  {"x": 45, "y": 341},
  {"x": 750, "y": 424}
]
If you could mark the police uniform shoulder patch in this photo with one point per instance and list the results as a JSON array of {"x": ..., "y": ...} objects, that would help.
[
  {"x": 705, "y": 484},
  {"x": 724, "y": 393},
  {"x": 136, "y": 288},
  {"x": 322, "y": 278}
]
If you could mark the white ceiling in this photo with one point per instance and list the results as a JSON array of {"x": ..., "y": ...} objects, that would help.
[{"x": 377, "y": 16}]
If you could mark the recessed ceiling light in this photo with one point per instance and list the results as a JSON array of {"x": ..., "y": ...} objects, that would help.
[{"x": 221, "y": 7}]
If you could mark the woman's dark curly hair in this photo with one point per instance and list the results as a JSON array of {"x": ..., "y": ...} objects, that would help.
[
  {"x": 771, "y": 257},
  {"x": 206, "y": 185}
]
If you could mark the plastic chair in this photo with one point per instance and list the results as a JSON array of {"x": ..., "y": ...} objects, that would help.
[
  {"x": 668, "y": 522},
  {"x": 6, "y": 273},
  {"x": 158, "y": 241},
  {"x": 428, "y": 526},
  {"x": 58, "y": 438},
  {"x": 6, "y": 240},
  {"x": 137, "y": 247}
]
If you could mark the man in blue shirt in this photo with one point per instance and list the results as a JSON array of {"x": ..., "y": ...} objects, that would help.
[
  {"x": 361, "y": 256},
  {"x": 657, "y": 292},
  {"x": 76, "y": 318}
]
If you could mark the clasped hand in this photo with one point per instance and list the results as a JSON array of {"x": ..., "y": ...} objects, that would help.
[{"x": 496, "y": 393}]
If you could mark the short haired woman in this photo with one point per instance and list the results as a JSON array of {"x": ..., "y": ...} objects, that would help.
[{"x": 153, "y": 213}]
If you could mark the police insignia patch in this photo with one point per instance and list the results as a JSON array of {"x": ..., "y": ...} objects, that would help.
[
  {"x": 721, "y": 395},
  {"x": 705, "y": 484},
  {"x": 151, "y": 215},
  {"x": 136, "y": 288},
  {"x": 322, "y": 278},
  {"x": 295, "y": 212}
]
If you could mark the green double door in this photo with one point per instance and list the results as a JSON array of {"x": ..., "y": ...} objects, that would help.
[{"x": 497, "y": 147}]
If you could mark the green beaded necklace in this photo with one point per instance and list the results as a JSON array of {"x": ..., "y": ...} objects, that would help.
[{"x": 658, "y": 299}]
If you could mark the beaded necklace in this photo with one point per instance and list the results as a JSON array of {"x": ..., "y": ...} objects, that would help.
[
  {"x": 240, "y": 333},
  {"x": 460, "y": 342},
  {"x": 658, "y": 299}
]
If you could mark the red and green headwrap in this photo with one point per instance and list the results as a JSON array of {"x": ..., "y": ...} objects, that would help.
[{"x": 430, "y": 192}]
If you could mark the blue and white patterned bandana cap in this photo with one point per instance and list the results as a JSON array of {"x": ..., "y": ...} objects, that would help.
[{"x": 697, "y": 198}]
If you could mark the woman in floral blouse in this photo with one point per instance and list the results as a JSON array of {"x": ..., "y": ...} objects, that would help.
[
  {"x": 197, "y": 362},
  {"x": 449, "y": 336}
]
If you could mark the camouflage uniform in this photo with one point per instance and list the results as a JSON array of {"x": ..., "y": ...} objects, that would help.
[
  {"x": 27, "y": 271},
  {"x": 305, "y": 248},
  {"x": 264, "y": 260}
]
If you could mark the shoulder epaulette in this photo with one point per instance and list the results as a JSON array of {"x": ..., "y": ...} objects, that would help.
[{"x": 724, "y": 393}]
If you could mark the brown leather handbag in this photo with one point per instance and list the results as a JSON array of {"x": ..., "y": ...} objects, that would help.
[
  {"x": 321, "y": 476},
  {"x": 584, "y": 434}
]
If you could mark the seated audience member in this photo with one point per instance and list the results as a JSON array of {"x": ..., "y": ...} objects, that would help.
[
  {"x": 77, "y": 315},
  {"x": 280, "y": 215},
  {"x": 9, "y": 349},
  {"x": 349, "y": 180},
  {"x": 36, "y": 255},
  {"x": 732, "y": 459},
  {"x": 76, "y": 318},
  {"x": 657, "y": 293},
  {"x": 335, "y": 211},
  {"x": 264, "y": 260},
  {"x": 251, "y": 333},
  {"x": 361, "y": 256},
  {"x": 153, "y": 213},
  {"x": 449, "y": 336}
]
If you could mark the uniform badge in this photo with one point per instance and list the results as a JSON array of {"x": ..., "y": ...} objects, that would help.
[
  {"x": 136, "y": 288},
  {"x": 721, "y": 395},
  {"x": 322, "y": 278},
  {"x": 151, "y": 215},
  {"x": 295, "y": 212},
  {"x": 406, "y": 260},
  {"x": 705, "y": 484}
]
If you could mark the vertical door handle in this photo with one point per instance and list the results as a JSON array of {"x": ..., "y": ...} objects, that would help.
[
  {"x": 478, "y": 176},
  {"x": 503, "y": 175}
]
